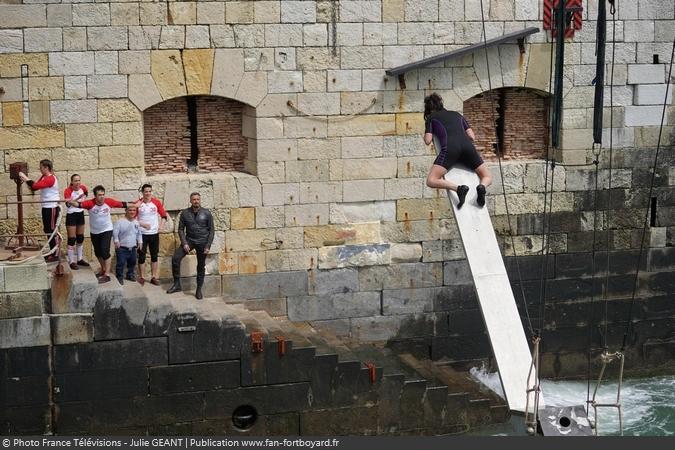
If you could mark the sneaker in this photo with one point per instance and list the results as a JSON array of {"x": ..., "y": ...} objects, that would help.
[
  {"x": 73, "y": 266},
  {"x": 99, "y": 274},
  {"x": 462, "y": 190},
  {"x": 131, "y": 277},
  {"x": 154, "y": 281},
  {"x": 120, "y": 279},
  {"x": 104, "y": 279},
  {"x": 83, "y": 263},
  {"x": 141, "y": 281},
  {"x": 51, "y": 258},
  {"x": 480, "y": 198}
]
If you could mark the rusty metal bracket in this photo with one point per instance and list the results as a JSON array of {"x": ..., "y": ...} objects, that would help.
[
  {"x": 257, "y": 341},
  {"x": 401, "y": 80},
  {"x": 372, "y": 372},
  {"x": 281, "y": 345},
  {"x": 521, "y": 45}
]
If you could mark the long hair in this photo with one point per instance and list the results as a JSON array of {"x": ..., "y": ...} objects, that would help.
[{"x": 432, "y": 103}]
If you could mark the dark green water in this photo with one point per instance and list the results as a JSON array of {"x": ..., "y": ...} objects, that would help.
[{"x": 648, "y": 403}]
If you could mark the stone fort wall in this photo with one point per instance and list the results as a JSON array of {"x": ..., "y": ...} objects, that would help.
[{"x": 330, "y": 219}]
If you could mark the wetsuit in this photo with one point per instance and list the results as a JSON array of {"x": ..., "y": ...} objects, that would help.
[{"x": 450, "y": 139}]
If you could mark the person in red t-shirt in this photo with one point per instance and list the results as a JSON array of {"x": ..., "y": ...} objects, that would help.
[
  {"x": 48, "y": 186},
  {"x": 100, "y": 227},
  {"x": 152, "y": 218},
  {"x": 75, "y": 222}
]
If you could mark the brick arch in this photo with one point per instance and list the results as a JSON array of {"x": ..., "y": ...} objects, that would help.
[
  {"x": 194, "y": 133},
  {"x": 520, "y": 123}
]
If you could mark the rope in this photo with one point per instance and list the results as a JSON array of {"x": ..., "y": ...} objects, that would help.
[
  {"x": 291, "y": 105},
  {"x": 651, "y": 190},
  {"x": 42, "y": 249},
  {"x": 501, "y": 173},
  {"x": 612, "y": 11}
]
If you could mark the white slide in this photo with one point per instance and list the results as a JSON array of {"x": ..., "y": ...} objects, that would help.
[{"x": 507, "y": 337}]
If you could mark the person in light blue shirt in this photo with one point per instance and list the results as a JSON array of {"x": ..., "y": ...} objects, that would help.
[{"x": 127, "y": 236}]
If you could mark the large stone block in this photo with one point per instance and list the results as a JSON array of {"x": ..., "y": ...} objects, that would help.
[
  {"x": 43, "y": 40},
  {"x": 72, "y": 328},
  {"x": 21, "y": 16},
  {"x": 354, "y": 256},
  {"x": 252, "y": 88},
  {"x": 25, "y": 332},
  {"x": 73, "y": 111},
  {"x": 143, "y": 91},
  {"x": 363, "y": 190},
  {"x": 198, "y": 70},
  {"x": 652, "y": 94},
  {"x": 333, "y": 306},
  {"x": 265, "y": 285},
  {"x": 21, "y": 304},
  {"x": 337, "y": 281},
  {"x": 350, "y": 233},
  {"x": 637, "y": 116},
  {"x": 45, "y": 88},
  {"x": 120, "y": 156},
  {"x": 341, "y": 213},
  {"x": 646, "y": 73},
  {"x": 296, "y": 259},
  {"x": 306, "y": 215},
  {"x": 26, "y": 277},
  {"x": 248, "y": 240},
  {"x": 107, "y": 38},
  {"x": 227, "y": 72},
  {"x": 320, "y": 192},
  {"x": 88, "y": 134},
  {"x": 11, "y": 41},
  {"x": 401, "y": 276},
  {"x": 298, "y": 12},
  {"x": 107, "y": 86},
  {"x": 167, "y": 71},
  {"x": 10, "y": 64},
  {"x": 71, "y": 63}
]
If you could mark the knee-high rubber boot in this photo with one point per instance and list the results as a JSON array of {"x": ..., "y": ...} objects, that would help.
[{"x": 176, "y": 286}]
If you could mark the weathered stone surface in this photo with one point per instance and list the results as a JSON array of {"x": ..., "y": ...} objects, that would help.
[
  {"x": 362, "y": 212},
  {"x": 198, "y": 70},
  {"x": 143, "y": 91},
  {"x": 401, "y": 276},
  {"x": 118, "y": 111},
  {"x": 107, "y": 86},
  {"x": 252, "y": 88},
  {"x": 120, "y": 156},
  {"x": 75, "y": 87},
  {"x": 127, "y": 133},
  {"x": 197, "y": 36},
  {"x": 45, "y": 88},
  {"x": 71, "y": 63},
  {"x": 338, "y": 281},
  {"x": 354, "y": 256},
  {"x": 305, "y": 215},
  {"x": 88, "y": 134},
  {"x": 72, "y": 328},
  {"x": 21, "y": 304},
  {"x": 421, "y": 209},
  {"x": 248, "y": 240},
  {"x": 31, "y": 137},
  {"x": 266, "y": 285},
  {"x": 296, "y": 259},
  {"x": 10, "y": 64},
  {"x": 167, "y": 71},
  {"x": 12, "y": 114},
  {"x": 401, "y": 253},
  {"x": 25, "y": 332},
  {"x": 73, "y": 111},
  {"x": 351, "y": 233},
  {"x": 333, "y": 306},
  {"x": 21, "y": 16},
  {"x": 11, "y": 41}
]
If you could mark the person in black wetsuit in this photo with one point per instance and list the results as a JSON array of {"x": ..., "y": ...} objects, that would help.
[{"x": 453, "y": 138}]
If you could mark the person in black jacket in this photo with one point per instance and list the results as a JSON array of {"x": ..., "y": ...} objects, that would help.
[{"x": 195, "y": 229}]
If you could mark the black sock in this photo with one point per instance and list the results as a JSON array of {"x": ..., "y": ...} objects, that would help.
[
  {"x": 462, "y": 190},
  {"x": 480, "y": 199}
]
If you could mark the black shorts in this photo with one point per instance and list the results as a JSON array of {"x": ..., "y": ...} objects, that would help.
[
  {"x": 464, "y": 154},
  {"x": 152, "y": 241},
  {"x": 101, "y": 244},
  {"x": 75, "y": 219}
]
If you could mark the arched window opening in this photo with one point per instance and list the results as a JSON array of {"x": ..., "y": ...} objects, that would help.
[
  {"x": 515, "y": 120},
  {"x": 194, "y": 134}
]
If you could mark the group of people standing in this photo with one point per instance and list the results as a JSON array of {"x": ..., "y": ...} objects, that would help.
[{"x": 133, "y": 235}]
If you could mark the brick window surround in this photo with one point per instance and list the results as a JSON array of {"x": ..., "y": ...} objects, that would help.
[
  {"x": 515, "y": 117},
  {"x": 198, "y": 133}
]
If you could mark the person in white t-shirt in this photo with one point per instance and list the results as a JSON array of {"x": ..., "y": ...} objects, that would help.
[
  {"x": 100, "y": 227},
  {"x": 48, "y": 185},
  {"x": 152, "y": 218},
  {"x": 75, "y": 222}
]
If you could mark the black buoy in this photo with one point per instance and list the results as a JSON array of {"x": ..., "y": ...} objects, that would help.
[{"x": 244, "y": 417}]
